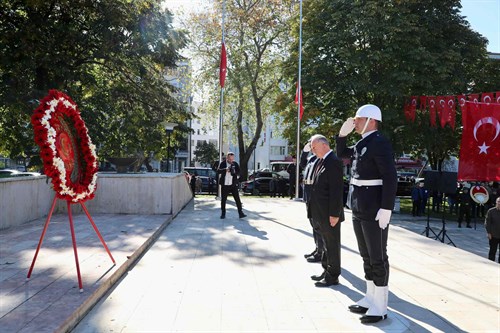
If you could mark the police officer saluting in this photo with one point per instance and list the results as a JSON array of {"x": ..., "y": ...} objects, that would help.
[{"x": 372, "y": 194}]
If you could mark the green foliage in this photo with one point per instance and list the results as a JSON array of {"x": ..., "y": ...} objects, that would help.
[
  {"x": 257, "y": 37},
  {"x": 379, "y": 51},
  {"x": 109, "y": 56},
  {"x": 206, "y": 153}
]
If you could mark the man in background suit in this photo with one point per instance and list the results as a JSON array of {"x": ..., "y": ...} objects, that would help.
[
  {"x": 326, "y": 207},
  {"x": 229, "y": 171}
]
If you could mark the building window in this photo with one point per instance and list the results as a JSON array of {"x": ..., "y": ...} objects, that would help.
[{"x": 278, "y": 150}]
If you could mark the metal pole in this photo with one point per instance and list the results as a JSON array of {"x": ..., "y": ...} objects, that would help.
[
  {"x": 299, "y": 98},
  {"x": 168, "y": 149},
  {"x": 221, "y": 105}
]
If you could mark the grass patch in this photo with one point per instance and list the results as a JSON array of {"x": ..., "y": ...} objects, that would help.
[{"x": 406, "y": 206}]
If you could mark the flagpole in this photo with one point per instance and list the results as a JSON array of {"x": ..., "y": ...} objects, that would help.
[
  {"x": 221, "y": 120},
  {"x": 299, "y": 88}
]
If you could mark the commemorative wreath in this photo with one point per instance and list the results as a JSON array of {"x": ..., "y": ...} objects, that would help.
[{"x": 68, "y": 155}]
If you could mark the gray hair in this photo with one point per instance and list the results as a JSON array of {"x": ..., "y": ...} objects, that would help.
[{"x": 320, "y": 138}]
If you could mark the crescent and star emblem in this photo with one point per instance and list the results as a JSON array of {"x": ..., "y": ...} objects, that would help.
[
  {"x": 479, "y": 194},
  {"x": 486, "y": 120}
]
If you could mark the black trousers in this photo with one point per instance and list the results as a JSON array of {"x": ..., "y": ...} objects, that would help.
[
  {"x": 494, "y": 245},
  {"x": 318, "y": 239},
  {"x": 372, "y": 245},
  {"x": 225, "y": 190},
  {"x": 331, "y": 255}
]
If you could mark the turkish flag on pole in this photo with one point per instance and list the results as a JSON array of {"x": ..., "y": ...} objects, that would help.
[
  {"x": 480, "y": 145},
  {"x": 301, "y": 100},
  {"x": 223, "y": 66}
]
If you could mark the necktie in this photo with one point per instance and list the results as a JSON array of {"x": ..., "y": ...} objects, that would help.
[{"x": 317, "y": 169}]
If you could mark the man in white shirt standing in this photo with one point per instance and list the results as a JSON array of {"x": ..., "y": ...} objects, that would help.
[{"x": 229, "y": 172}]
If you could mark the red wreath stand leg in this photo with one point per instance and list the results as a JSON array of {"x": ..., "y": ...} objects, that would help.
[{"x": 73, "y": 238}]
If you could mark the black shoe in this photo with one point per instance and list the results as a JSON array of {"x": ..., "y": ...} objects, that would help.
[
  {"x": 223, "y": 216},
  {"x": 357, "y": 309},
  {"x": 315, "y": 258},
  {"x": 318, "y": 277},
  {"x": 372, "y": 319},
  {"x": 242, "y": 215},
  {"x": 326, "y": 283},
  {"x": 310, "y": 254}
]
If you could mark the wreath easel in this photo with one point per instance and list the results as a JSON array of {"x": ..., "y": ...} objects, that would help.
[{"x": 69, "y": 159}]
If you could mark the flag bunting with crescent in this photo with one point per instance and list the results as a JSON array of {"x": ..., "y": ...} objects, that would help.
[
  {"x": 480, "y": 144},
  {"x": 443, "y": 109}
]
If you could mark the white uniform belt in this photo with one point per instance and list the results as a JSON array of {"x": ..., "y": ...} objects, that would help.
[
  {"x": 308, "y": 181},
  {"x": 366, "y": 182}
]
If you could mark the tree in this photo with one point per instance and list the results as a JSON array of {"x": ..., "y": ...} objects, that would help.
[
  {"x": 257, "y": 35},
  {"x": 379, "y": 51},
  {"x": 109, "y": 56},
  {"x": 206, "y": 153}
]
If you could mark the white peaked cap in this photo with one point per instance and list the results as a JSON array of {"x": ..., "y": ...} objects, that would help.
[{"x": 369, "y": 111}]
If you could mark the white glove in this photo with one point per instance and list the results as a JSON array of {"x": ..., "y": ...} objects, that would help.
[
  {"x": 383, "y": 217},
  {"x": 347, "y": 127},
  {"x": 307, "y": 147}
]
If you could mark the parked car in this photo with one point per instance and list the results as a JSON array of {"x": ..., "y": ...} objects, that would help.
[
  {"x": 259, "y": 182},
  {"x": 206, "y": 175},
  {"x": 406, "y": 180},
  {"x": 7, "y": 173}
]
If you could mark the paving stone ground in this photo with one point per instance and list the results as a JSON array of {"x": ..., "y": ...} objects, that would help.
[{"x": 204, "y": 274}]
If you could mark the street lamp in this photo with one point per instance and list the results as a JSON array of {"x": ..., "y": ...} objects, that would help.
[{"x": 169, "y": 128}]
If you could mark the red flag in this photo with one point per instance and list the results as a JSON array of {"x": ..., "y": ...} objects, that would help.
[
  {"x": 406, "y": 109},
  {"x": 413, "y": 107},
  {"x": 474, "y": 99},
  {"x": 423, "y": 102},
  {"x": 442, "y": 111},
  {"x": 223, "y": 66},
  {"x": 450, "y": 110},
  {"x": 301, "y": 100},
  {"x": 487, "y": 98},
  {"x": 432, "y": 110},
  {"x": 480, "y": 145},
  {"x": 463, "y": 106}
]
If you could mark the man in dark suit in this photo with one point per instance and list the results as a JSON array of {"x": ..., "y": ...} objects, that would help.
[
  {"x": 307, "y": 162},
  {"x": 326, "y": 207},
  {"x": 372, "y": 194},
  {"x": 229, "y": 172}
]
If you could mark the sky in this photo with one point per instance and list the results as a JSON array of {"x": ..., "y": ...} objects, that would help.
[{"x": 483, "y": 16}]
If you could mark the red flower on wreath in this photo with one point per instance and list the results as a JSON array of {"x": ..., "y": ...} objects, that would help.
[{"x": 67, "y": 152}]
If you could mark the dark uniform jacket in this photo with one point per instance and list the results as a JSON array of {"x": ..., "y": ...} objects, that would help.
[
  {"x": 307, "y": 163},
  {"x": 372, "y": 158},
  {"x": 235, "y": 172},
  {"x": 327, "y": 191}
]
